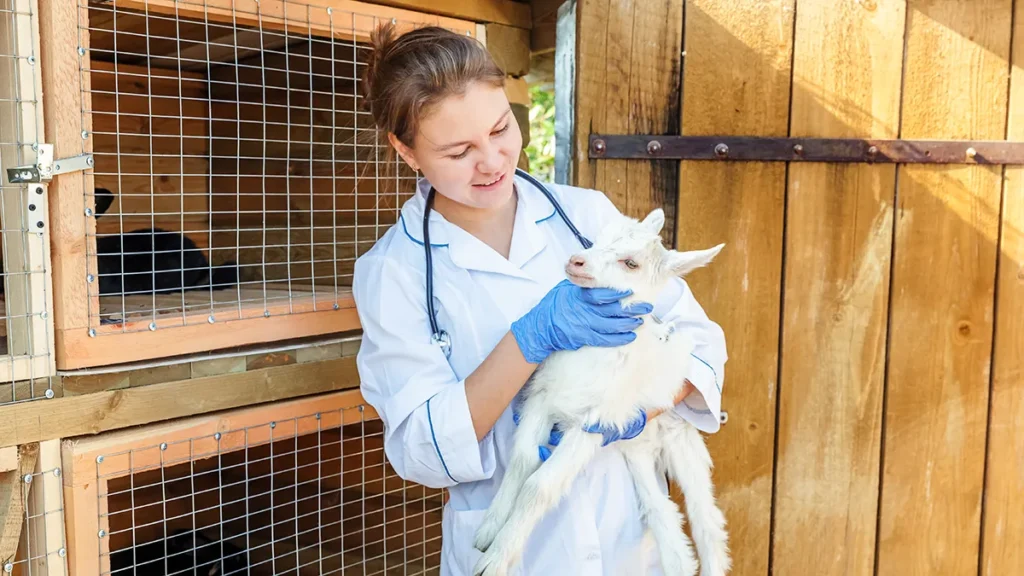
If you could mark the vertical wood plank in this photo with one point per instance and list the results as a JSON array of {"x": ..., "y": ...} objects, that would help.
[
  {"x": 627, "y": 78},
  {"x": 82, "y": 489},
  {"x": 58, "y": 25},
  {"x": 13, "y": 494},
  {"x": 846, "y": 84},
  {"x": 1003, "y": 531},
  {"x": 943, "y": 280},
  {"x": 46, "y": 518},
  {"x": 736, "y": 80}
]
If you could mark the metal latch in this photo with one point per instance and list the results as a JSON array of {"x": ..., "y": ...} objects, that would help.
[{"x": 46, "y": 167}]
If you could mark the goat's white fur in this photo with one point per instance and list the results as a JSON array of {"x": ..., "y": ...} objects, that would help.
[{"x": 596, "y": 384}]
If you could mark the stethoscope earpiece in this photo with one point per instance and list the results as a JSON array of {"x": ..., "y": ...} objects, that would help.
[{"x": 438, "y": 336}]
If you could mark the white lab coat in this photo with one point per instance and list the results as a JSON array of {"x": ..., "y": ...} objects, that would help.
[{"x": 420, "y": 395}]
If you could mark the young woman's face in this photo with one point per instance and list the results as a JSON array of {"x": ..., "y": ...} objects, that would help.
[{"x": 468, "y": 147}]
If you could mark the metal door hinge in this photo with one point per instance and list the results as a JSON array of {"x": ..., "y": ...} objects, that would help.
[{"x": 46, "y": 167}]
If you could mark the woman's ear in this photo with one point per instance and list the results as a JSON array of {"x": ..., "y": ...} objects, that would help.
[{"x": 404, "y": 151}]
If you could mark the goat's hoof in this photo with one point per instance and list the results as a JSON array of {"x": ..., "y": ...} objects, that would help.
[
  {"x": 491, "y": 564},
  {"x": 486, "y": 534}
]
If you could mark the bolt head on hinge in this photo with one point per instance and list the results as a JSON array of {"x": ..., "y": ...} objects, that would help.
[
  {"x": 598, "y": 146},
  {"x": 653, "y": 147},
  {"x": 721, "y": 150}
]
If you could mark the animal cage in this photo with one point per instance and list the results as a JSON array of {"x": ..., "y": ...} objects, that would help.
[
  {"x": 301, "y": 487},
  {"x": 26, "y": 335},
  {"x": 236, "y": 175}
]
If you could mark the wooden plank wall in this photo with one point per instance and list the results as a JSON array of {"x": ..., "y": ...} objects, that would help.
[{"x": 875, "y": 386}]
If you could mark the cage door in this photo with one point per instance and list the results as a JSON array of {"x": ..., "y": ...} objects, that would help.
[{"x": 26, "y": 360}]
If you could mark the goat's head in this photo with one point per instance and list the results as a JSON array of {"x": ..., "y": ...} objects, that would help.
[{"x": 629, "y": 255}]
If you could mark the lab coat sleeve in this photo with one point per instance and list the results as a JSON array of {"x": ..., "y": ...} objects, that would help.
[
  {"x": 428, "y": 432},
  {"x": 703, "y": 409}
]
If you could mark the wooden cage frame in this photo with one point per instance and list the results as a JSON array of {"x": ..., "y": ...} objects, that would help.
[
  {"x": 79, "y": 345},
  {"x": 86, "y": 474},
  {"x": 30, "y": 342}
]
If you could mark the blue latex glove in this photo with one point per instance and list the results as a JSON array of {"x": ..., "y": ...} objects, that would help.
[
  {"x": 570, "y": 317},
  {"x": 610, "y": 433}
]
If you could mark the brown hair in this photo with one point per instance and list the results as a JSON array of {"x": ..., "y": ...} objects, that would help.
[{"x": 407, "y": 74}]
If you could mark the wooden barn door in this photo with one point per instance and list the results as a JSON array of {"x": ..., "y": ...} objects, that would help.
[{"x": 874, "y": 310}]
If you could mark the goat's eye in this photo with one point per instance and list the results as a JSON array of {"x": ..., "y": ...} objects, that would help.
[{"x": 631, "y": 264}]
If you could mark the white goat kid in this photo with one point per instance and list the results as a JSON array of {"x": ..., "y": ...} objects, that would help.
[{"x": 575, "y": 389}]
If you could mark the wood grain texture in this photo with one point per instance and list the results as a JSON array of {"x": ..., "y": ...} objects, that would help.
[
  {"x": 740, "y": 204},
  {"x": 67, "y": 88},
  {"x": 95, "y": 413},
  {"x": 13, "y": 495},
  {"x": 846, "y": 83},
  {"x": 348, "y": 20},
  {"x": 627, "y": 82},
  {"x": 1003, "y": 530},
  {"x": 172, "y": 338},
  {"x": 45, "y": 526},
  {"x": 943, "y": 281}
]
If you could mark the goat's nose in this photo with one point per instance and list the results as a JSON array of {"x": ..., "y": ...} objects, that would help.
[{"x": 577, "y": 261}]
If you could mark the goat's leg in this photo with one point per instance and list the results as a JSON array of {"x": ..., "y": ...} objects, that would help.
[
  {"x": 533, "y": 431},
  {"x": 541, "y": 492},
  {"x": 660, "y": 514},
  {"x": 689, "y": 465}
]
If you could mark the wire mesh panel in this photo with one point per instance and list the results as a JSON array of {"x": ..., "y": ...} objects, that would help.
[
  {"x": 237, "y": 174},
  {"x": 26, "y": 336},
  {"x": 312, "y": 494},
  {"x": 39, "y": 549}
]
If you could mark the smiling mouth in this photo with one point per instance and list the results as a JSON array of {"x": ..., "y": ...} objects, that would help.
[{"x": 491, "y": 183}]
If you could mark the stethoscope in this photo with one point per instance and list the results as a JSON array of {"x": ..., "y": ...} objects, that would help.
[{"x": 438, "y": 336}]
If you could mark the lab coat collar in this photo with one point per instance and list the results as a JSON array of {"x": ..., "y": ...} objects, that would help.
[{"x": 466, "y": 250}]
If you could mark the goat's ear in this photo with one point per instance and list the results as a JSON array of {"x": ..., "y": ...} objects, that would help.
[
  {"x": 655, "y": 220},
  {"x": 682, "y": 263}
]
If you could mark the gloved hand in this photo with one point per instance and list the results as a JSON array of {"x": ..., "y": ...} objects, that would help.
[
  {"x": 611, "y": 433},
  {"x": 570, "y": 317}
]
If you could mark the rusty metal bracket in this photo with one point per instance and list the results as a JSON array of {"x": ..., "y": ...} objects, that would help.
[{"x": 758, "y": 149}]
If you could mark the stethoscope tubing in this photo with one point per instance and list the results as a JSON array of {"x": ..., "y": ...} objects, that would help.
[{"x": 439, "y": 336}]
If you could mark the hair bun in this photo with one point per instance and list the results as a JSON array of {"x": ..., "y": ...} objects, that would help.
[{"x": 382, "y": 40}]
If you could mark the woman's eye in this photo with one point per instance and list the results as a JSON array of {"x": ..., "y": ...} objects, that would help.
[
  {"x": 460, "y": 155},
  {"x": 502, "y": 130},
  {"x": 631, "y": 264}
]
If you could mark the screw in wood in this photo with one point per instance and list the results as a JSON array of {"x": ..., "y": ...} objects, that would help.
[
  {"x": 152, "y": 326},
  {"x": 721, "y": 150},
  {"x": 8, "y": 567},
  {"x": 49, "y": 394}
]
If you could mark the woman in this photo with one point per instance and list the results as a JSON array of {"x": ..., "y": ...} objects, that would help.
[{"x": 498, "y": 252}]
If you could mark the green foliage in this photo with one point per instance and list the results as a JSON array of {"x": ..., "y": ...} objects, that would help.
[{"x": 541, "y": 150}]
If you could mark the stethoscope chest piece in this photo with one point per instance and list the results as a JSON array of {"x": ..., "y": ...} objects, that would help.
[
  {"x": 442, "y": 339},
  {"x": 438, "y": 336}
]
